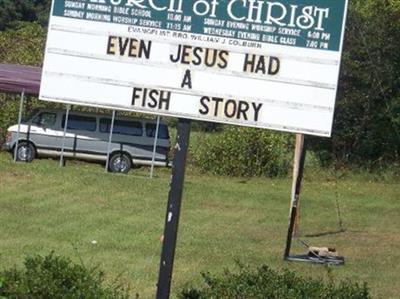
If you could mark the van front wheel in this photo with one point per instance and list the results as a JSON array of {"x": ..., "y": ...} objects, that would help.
[
  {"x": 25, "y": 152},
  {"x": 120, "y": 162}
]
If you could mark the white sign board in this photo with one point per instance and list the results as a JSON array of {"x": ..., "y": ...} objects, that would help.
[{"x": 267, "y": 64}]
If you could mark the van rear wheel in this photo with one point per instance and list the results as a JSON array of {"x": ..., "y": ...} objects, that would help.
[
  {"x": 120, "y": 162},
  {"x": 25, "y": 152}
]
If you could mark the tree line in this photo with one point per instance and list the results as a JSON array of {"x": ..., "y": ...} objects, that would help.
[{"x": 13, "y": 11}]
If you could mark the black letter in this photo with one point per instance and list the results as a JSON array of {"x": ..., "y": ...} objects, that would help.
[
  {"x": 196, "y": 55},
  {"x": 187, "y": 80},
  {"x": 203, "y": 101},
  {"x": 261, "y": 65},
  {"x": 249, "y": 63},
  {"x": 223, "y": 56},
  {"x": 164, "y": 100},
  {"x": 211, "y": 57},
  {"x": 111, "y": 45},
  {"x": 217, "y": 101},
  {"x": 152, "y": 95},
  {"x": 144, "y": 97},
  {"x": 243, "y": 108},
  {"x": 135, "y": 95},
  {"x": 123, "y": 44},
  {"x": 232, "y": 114},
  {"x": 257, "y": 108},
  {"x": 186, "y": 54},
  {"x": 132, "y": 47},
  {"x": 145, "y": 49},
  {"x": 272, "y": 71},
  {"x": 178, "y": 55}
]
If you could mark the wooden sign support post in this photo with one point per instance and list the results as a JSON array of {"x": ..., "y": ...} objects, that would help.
[
  {"x": 299, "y": 158},
  {"x": 173, "y": 210}
]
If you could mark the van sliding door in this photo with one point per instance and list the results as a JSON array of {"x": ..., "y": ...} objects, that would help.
[{"x": 81, "y": 134}]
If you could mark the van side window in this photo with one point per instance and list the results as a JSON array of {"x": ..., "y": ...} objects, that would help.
[
  {"x": 45, "y": 119},
  {"x": 123, "y": 127},
  {"x": 162, "y": 131},
  {"x": 79, "y": 122}
]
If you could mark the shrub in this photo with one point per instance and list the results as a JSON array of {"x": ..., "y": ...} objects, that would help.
[
  {"x": 239, "y": 151},
  {"x": 56, "y": 277},
  {"x": 23, "y": 45},
  {"x": 265, "y": 283}
]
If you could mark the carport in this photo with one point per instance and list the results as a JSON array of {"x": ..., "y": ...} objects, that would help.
[{"x": 20, "y": 79}]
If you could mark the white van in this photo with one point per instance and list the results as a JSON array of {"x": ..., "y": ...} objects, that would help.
[{"x": 87, "y": 138}]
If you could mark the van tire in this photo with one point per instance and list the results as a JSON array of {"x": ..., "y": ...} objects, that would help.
[
  {"x": 120, "y": 162},
  {"x": 26, "y": 152}
]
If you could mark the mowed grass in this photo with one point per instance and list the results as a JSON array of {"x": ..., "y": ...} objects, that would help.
[{"x": 45, "y": 208}]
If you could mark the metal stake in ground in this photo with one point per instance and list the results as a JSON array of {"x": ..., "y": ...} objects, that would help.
[
  {"x": 173, "y": 210},
  {"x": 299, "y": 158},
  {"x": 110, "y": 140},
  {"x": 153, "y": 159},
  {"x": 21, "y": 107},
  {"x": 64, "y": 136}
]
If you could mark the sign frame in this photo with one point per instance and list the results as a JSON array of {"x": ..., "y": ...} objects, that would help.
[{"x": 281, "y": 102}]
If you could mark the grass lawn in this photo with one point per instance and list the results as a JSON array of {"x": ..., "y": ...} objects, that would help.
[{"x": 45, "y": 208}]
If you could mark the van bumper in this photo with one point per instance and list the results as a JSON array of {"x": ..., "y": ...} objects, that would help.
[{"x": 149, "y": 163}]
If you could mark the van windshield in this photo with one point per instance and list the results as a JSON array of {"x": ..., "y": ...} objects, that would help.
[{"x": 30, "y": 116}]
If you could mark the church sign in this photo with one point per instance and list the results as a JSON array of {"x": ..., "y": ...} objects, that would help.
[{"x": 258, "y": 63}]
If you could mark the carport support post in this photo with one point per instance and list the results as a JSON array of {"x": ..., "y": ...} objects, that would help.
[
  {"x": 299, "y": 158},
  {"x": 21, "y": 107},
  {"x": 110, "y": 140},
  {"x": 173, "y": 210},
  {"x": 153, "y": 159},
  {"x": 64, "y": 136}
]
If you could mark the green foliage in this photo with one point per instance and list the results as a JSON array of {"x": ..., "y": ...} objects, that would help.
[
  {"x": 24, "y": 45},
  {"x": 238, "y": 151},
  {"x": 56, "y": 277},
  {"x": 367, "y": 118},
  {"x": 265, "y": 283},
  {"x": 12, "y": 11}
]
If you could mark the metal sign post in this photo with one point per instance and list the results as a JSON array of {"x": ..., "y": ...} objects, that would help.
[
  {"x": 110, "y": 140},
  {"x": 153, "y": 159},
  {"x": 173, "y": 210},
  {"x": 21, "y": 107},
  {"x": 299, "y": 158},
  {"x": 64, "y": 136}
]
